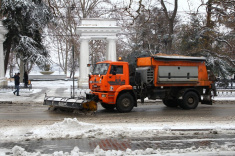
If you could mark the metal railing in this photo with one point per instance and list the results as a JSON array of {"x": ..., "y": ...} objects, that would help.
[
  {"x": 226, "y": 92},
  {"x": 225, "y": 84},
  {"x": 79, "y": 92}
]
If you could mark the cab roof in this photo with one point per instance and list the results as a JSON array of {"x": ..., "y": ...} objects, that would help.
[{"x": 112, "y": 62}]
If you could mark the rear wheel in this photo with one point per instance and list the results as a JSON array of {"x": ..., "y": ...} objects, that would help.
[
  {"x": 108, "y": 106},
  {"x": 170, "y": 102},
  {"x": 190, "y": 100},
  {"x": 125, "y": 103}
]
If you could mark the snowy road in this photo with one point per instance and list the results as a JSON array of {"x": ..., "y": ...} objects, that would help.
[
  {"x": 148, "y": 112},
  {"x": 27, "y": 128},
  {"x": 209, "y": 129}
]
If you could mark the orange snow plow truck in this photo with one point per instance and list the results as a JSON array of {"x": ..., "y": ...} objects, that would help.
[{"x": 178, "y": 80}]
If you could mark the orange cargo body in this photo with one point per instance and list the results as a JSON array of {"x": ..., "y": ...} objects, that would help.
[{"x": 155, "y": 63}]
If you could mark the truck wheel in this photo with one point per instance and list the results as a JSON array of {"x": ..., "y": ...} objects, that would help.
[
  {"x": 190, "y": 101},
  {"x": 108, "y": 106},
  {"x": 170, "y": 103},
  {"x": 125, "y": 103}
]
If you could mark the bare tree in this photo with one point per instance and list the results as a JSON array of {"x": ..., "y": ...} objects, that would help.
[
  {"x": 203, "y": 36},
  {"x": 150, "y": 30},
  {"x": 68, "y": 14},
  {"x": 171, "y": 20},
  {"x": 218, "y": 14}
]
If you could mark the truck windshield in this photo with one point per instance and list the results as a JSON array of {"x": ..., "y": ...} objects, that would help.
[{"x": 101, "y": 69}]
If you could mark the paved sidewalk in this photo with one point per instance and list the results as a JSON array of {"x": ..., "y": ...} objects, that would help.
[{"x": 37, "y": 93}]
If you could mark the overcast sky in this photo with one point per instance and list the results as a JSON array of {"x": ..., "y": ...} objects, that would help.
[{"x": 184, "y": 8}]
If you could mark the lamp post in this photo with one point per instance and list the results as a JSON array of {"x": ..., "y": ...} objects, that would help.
[{"x": 73, "y": 69}]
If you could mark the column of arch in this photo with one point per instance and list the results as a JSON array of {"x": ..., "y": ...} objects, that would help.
[{"x": 3, "y": 31}]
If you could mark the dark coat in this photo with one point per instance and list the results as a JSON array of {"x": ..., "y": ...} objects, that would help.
[
  {"x": 26, "y": 77},
  {"x": 17, "y": 80}
]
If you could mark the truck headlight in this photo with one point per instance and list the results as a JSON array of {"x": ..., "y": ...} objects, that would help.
[{"x": 103, "y": 95}]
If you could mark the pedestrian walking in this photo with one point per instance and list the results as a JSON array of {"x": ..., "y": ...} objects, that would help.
[
  {"x": 17, "y": 84},
  {"x": 26, "y": 79},
  {"x": 213, "y": 78},
  {"x": 14, "y": 79}
]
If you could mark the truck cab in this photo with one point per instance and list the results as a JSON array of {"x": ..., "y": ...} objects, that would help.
[{"x": 109, "y": 81}]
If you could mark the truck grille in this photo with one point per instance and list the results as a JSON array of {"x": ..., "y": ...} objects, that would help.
[{"x": 95, "y": 87}]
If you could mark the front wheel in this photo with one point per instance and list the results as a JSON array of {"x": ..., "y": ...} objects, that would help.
[
  {"x": 125, "y": 103},
  {"x": 108, "y": 106},
  {"x": 190, "y": 100}
]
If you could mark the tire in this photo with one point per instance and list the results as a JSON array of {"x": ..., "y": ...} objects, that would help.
[
  {"x": 170, "y": 103},
  {"x": 190, "y": 100},
  {"x": 108, "y": 106},
  {"x": 125, "y": 103}
]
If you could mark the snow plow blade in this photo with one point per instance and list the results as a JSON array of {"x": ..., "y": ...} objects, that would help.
[{"x": 74, "y": 103}]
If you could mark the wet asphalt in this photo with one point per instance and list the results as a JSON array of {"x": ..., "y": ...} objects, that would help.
[
  {"x": 150, "y": 112},
  {"x": 88, "y": 145}
]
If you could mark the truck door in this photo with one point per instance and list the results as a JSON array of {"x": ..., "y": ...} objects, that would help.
[{"x": 115, "y": 77}]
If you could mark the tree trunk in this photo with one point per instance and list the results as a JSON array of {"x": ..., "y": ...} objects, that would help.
[
  {"x": 170, "y": 23},
  {"x": 208, "y": 18},
  {"x": 8, "y": 50},
  {"x": 208, "y": 23},
  {"x": 21, "y": 71},
  {"x": 66, "y": 58}
]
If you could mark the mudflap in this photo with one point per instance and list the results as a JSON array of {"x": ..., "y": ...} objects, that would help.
[{"x": 80, "y": 104}]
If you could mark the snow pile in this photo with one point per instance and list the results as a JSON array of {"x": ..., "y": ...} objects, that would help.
[
  {"x": 224, "y": 150},
  {"x": 19, "y": 151},
  {"x": 100, "y": 152},
  {"x": 68, "y": 128},
  {"x": 72, "y": 128}
]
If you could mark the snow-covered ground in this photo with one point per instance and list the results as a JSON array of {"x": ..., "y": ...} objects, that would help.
[
  {"x": 18, "y": 151},
  {"x": 73, "y": 128}
]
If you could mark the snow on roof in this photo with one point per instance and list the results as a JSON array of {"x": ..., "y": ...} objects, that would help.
[{"x": 177, "y": 57}]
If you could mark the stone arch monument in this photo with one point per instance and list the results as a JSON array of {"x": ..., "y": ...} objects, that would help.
[{"x": 95, "y": 29}]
